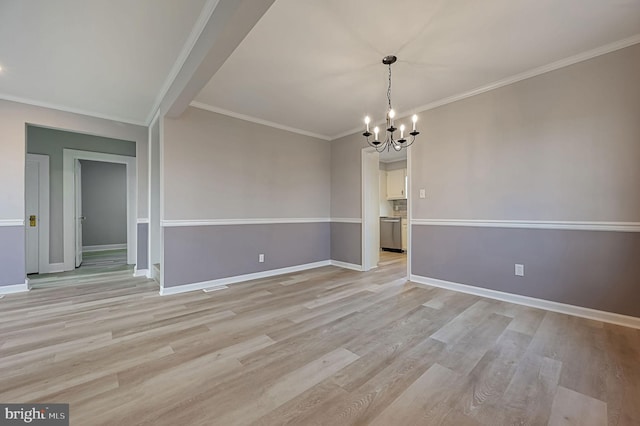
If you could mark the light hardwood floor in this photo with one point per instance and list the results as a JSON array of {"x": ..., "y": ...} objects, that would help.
[{"x": 326, "y": 346}]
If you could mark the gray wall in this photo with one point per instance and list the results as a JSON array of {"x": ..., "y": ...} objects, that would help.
[
  {"x": 12, "y": 255},
  {"x": 203, "y": 253},
  {"x": 52, "y": 143},
  {"x": 562, "y": 146},
  {"x": 104, "y": 203},
  {"x": 218, "y": 167},
  {"x": 593, "y": 269},
  {"x": 346, "y": 242},
  {"x": 143, "y": 244}
]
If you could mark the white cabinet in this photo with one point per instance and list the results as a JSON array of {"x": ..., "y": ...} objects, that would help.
[
  {"x": 404, "y": 234},
  {"x": 397, "y": 184}
]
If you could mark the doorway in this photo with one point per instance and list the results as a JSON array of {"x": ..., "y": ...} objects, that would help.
[
  {"x": 73, "y": 216},
  {"x": 101, "y": 204},
  {"x": 385, "y": 209}
]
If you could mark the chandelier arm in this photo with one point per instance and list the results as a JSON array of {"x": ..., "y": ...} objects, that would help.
[{"x": 413, "y": 139}]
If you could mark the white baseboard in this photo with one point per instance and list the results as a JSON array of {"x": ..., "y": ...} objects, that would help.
[
  {"x": 240, "y": 278},
  {"x": 346, "y": 265},
  {"x": 53, "y": 268},
  {"x": 15, "y": 288},
  {"x": 141, "y": 272},
  {"x": 563, "y": 308},
  {"x": 105, "y": 247}
]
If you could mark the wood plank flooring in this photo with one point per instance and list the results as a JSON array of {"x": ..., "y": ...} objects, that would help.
[{"x": 322, "y": 347}]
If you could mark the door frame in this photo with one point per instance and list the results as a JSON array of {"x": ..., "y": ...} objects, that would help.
[
  {"x": 155, "y": 217},
  {"x": 409, "y": 214},
  {"x": 68, "y": 195},
  {"x": 370, "y": 250},
  {"x": 43, "y": 220}
]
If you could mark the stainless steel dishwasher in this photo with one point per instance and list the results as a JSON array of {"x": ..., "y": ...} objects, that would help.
[{"x": 391, "y": 233}]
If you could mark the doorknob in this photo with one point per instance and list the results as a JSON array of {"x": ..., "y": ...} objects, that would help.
[{"x": 32, "y": 220}]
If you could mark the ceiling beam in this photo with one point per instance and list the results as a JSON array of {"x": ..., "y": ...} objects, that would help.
[{"x": 228, "y": 25}]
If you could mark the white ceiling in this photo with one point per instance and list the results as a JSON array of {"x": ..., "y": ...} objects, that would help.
[
  {"x": 108, "y": 58},
  {"x": 311, "y": 65},
  {"x": 314, "y": 65}
]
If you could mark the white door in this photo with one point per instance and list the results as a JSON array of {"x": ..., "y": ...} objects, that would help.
[
  {"x": 32, "y": 215},
  {"x": 371, "y": 209},
  {"x": 78, "y": 211}
]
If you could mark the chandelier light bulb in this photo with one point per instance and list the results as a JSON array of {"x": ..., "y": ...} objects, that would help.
[
  {"x": 414, "y": 119},
  {"x": 367, "y": 120},
  {"x": 376, "y": 130},
  {"x": 402, "y": 131},
  {"x": 392, "y": 114}
]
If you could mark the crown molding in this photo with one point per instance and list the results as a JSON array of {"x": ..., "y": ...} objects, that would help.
[
  {"x": 197, "y": 29},
  {"x": 571, "y": 60},
  {"x": 222, "y": 111},
  {"x": 63, "y": 108}
]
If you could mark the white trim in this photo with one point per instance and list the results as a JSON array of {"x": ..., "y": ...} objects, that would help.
[
  {"x": 43, "y": 208},
  {"x": 563, "y": 308},
  {"x": 139, "y": 221},
  {"x": 256, "y": 221},
  {"x": 251, "y": 119},
  {"x": 410, "y": 196},
  {"x": 240, "y": 278},
  {"x": 346, "y": 265},
  {"x": 52, "y": 268},
  {"x": 150, "y": 196},
  {"x": 68, "y": 172},
  {"x": 535, "y": 224},
  {"x": 161, "y": 217},
  {"x": 140, "y": 272},
  {"x": 370, "y": 208},
  {"x": 212, "y": 289},
  {"x": 346, "y": 219},
  {"x": 571, "y": 60},
  {"x": 197, "y": 29},
  {"x": 11, "y": 222},
  {"x": 105, "y": 247},
  {"x": 63, "y": 108},
  {"x": 15, "y": 288}
]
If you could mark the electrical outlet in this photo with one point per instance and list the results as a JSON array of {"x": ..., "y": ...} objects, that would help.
[
  {"x": 261, "y": 258},
  {"x": 519, "y": 270},
  {"x": 423, "y": 193}
]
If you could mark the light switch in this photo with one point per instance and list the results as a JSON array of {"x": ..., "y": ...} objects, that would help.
[{"x": 423, "y": 193}]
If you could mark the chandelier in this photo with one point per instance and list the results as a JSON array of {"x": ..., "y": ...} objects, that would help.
[{"x": 389, "y": 141}]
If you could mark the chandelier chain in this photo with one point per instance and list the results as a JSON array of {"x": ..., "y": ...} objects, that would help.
[{"x": 389, "y": 88}]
